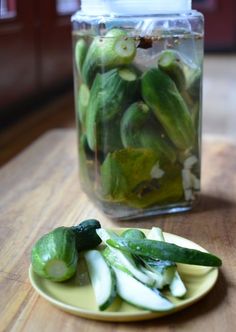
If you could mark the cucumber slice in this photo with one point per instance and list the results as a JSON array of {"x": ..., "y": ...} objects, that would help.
[
  {"x": 176, "y": 285},
  {"x": 124, "y": 260},
  {"x": 164, "y": 251},
  {"x": 162, "y": 271},
  {"x": 112, "y": 260},
  {"x": 156, "y": 234},
  {"x": 136, "y": 293},
  {"x": 102, "y": 279}
]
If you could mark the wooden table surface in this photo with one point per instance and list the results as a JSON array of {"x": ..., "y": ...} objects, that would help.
[{"x": 39, "y": 191}]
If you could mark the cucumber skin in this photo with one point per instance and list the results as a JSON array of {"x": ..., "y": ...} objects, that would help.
[
  {"x": 165, "y": 251},
  {"x": 80, "y": 54},
  {"x": 139, "y": 129},
  {"x": 171, "y": 63},
  {"x": 108, "y": 97},
  {"x": 81, "y": 104},
  {"x": 160, "y": 93},
  {"x": 56, "y": 245},
  {"x": 133, "y": 234}
]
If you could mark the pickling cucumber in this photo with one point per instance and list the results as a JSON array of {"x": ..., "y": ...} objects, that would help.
[
  {"x": 140, "y": 129},
  {"x": 109, "y": 140},
  {"x": 161, "y": 271},
  {"x": 164, "y": 251},
  {"x": 80, "y": 54},
  {"x": 176, "y": 285},
  {"x": 124, "y": 260},
  {"x": 133, "y": 233},
  {"x": 82, "y": 104},
  {"x": 160, "y": 93},
  {"x": 86, "y": 235},
  {"x": 194, "y": 84},
  {"x": 106, "y": 52},
  {"x": 54, "y": 256},
  {"x": 110, "y": 94},
  {"x": 171, "y": 62},
  {"x": 138, "y": 294},
  {"x": 102, "y": 278}
]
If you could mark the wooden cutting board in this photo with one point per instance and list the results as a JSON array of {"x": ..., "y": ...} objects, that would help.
[{"x": 40, "y": 190}]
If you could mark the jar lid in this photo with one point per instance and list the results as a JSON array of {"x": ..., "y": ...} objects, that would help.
[{"x": 134, "y": 7}]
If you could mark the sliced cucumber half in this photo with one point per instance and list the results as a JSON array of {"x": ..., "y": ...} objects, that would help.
[
  {"x": 136, "y": 293},
  {"x": 102, "y": 278}
]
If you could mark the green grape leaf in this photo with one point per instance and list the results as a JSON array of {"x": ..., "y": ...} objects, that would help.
[{"x": 123, "y": 170}]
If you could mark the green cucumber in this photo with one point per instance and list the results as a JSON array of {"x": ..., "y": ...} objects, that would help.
[
  {"x": 160, "y": 93},
  {"x": 102, "y": 279},
  {"x": 109, "y": 140},
  {"x": 156, "y": 139},
  {"x": 176, "y": 285},
  {"x": 86, "y": 166},
  {"x": 194, "y": 84},
  {"x": 86, "y": 235},
  {"x": 107, "y": 52},
  {"x": 124, "y": 260},
  {"x": 54, "y": 255},
  {"x": 133, "y": 233},
  {"x": 80, "y": 54},
  {"x": 138, "y": 294},
  {"x": 139, "y": 129},
  {"x": 109, "y": 96},
  {"x": 82, "y": 104},
  {"x": 161, "y": 271},
  {"x": 164, "y": 251},
  {"x": 171, "y": 62}
]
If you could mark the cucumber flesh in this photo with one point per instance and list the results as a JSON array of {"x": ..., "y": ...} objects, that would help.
[
  {"x": 176, "y": 285},
  {"x": 102, "y": 278},
  {"x": 125, "y": 260},
  {"x": 156, "y": 234},
  {"x": 138, "y": 294},
  {"x": 56, "y": 269}
]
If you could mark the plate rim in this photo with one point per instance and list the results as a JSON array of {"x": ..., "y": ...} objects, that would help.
[{"x": 124, "y": 316}]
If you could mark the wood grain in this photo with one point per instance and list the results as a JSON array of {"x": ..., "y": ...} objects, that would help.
[{"x": 40, "y": 190}]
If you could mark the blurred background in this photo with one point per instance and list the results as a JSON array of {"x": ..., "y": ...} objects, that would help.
[{"x": 36, "y": 83}]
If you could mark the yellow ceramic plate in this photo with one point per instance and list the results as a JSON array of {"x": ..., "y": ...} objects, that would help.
[{"x": 76, "y": 295}]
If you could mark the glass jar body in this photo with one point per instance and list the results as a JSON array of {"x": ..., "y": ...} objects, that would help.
[{"x": 138, "y": 99}]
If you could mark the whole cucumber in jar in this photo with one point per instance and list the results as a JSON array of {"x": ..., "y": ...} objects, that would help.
[
  {"x": 106, "y": 52},
  {"x": 110, "y": 94},
  {"x": 140, "y": 129},
  {"x": 163, "y": 97}
]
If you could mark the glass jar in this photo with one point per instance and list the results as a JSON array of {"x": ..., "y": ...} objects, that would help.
[{"x": 138, "y": 98}]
